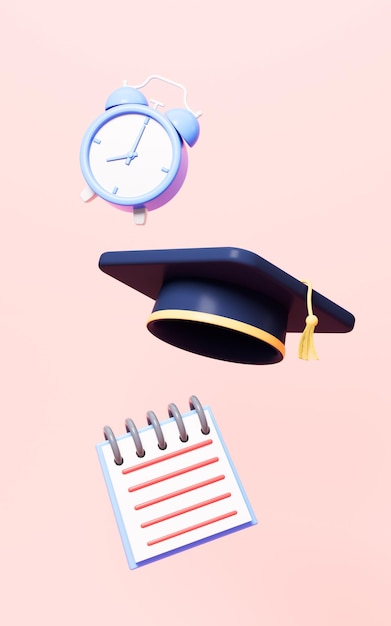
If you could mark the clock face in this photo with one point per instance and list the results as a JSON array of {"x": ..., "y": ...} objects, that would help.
[{"x": 132, "y": 156}]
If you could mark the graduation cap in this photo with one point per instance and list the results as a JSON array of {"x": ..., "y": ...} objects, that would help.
[{"x": 226, "y": 303}]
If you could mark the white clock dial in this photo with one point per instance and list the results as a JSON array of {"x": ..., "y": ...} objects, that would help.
[{"x": 131, "y": 155}]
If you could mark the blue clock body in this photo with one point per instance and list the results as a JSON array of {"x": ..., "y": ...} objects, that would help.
[{"x": 133, "y": 156}]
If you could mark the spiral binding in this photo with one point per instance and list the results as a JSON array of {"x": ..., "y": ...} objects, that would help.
[{"x": 173, "y": 411}]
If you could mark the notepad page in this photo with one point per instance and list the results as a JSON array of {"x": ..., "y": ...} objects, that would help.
[{"x": 174, "y": 497}]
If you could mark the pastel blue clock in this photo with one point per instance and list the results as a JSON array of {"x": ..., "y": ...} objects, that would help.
[{"x": 134, "y": 156}]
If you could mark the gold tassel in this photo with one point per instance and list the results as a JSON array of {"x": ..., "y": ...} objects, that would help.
[{"x": 306, "y": 346}]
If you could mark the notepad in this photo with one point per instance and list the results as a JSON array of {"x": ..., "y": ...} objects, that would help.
[{"x": 177, "y": 497}]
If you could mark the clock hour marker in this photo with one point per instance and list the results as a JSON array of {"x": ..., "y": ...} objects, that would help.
[
  {"x": 165, "y": 170},
  {"x": 115, "y": 190},
  {"x": 97, "y": 140}
]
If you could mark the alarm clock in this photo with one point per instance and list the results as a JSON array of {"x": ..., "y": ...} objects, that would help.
[{"x": 133, "y": 155}]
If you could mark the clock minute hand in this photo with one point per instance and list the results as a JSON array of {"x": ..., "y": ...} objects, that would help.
[{"x": 132, "y": 152}]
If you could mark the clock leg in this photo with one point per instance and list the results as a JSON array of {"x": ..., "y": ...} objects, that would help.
[
  {"x": 140, "y": 215},
  {"x": 87, "y": 194}
]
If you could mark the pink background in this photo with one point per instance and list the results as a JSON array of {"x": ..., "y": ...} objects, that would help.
[{"x": 293, "y": 163}]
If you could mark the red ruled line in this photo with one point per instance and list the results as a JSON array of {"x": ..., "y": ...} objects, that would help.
[
  {"x": 159, "y": 479},
  {"x": 170, "y": 455},
  {"x": 193, "y": 507},
  {"x": 173, "y": 494},
  {"x": 190, "y": 528}
]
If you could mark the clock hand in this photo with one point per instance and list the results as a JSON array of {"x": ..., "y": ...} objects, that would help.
[
  {"x": 132, "y": 154},
  {"x": 128, "y": 155}
]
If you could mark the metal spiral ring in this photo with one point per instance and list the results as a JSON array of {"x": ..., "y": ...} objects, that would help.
[
  {"x": 174, "y": 412},
  {"x": 196, "y": 405},
  {"x": 153, "y": 421},
  {"x": 109, "y": 435},
  {"x": 132, "y": 429}
]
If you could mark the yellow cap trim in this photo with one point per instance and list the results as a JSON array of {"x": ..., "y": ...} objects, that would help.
[{"x": 218, "y": 320}]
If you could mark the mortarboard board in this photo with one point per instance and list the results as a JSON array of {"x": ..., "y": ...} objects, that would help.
[{"x": 225, "y": 303}]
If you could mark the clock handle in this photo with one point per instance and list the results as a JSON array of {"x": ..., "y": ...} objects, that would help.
[{"x": 171, "y": 82}]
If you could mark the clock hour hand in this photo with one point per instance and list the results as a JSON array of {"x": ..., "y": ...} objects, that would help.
[{"x": 129, "y": 156}]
